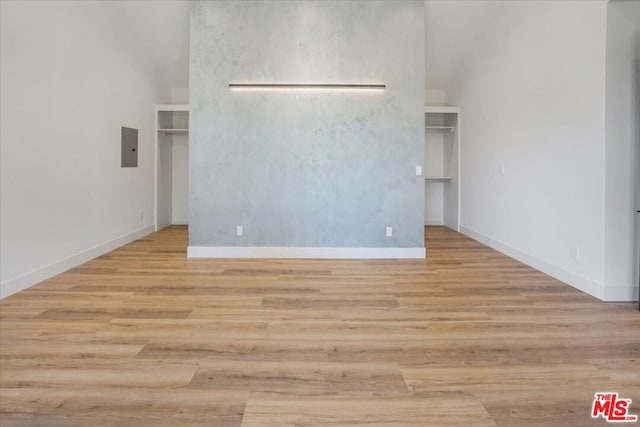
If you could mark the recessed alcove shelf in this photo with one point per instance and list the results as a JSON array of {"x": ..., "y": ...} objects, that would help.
[
  {"x": 438, "y": 178},
  {"x": 170, "y": 131},
  {"x": 439, "y": 128}
]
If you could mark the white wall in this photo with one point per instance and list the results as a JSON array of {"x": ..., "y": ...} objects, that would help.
[
  {"x": 622, "y": 118},
  {"x": 434, "y": 166},
  {"x": 532, "y": 93},
  {"x": 71, "y": 76},
  {"x": 435, "y": 97},
  {"x": 179, "y": 95},
  {"x": 180, "y": 164},
  {"x": 180, "y": 179},
  {"x": 165, "y": 180}
]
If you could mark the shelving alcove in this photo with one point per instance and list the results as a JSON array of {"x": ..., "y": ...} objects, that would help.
[
  {"x": 442, "y": 166},
  {"x": 171, "y": 168}
]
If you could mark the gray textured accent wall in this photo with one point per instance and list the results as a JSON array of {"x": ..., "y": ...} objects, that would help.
[{"x": 306, "y": 169}]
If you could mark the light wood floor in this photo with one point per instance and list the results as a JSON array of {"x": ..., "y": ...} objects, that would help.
[{"x": 469, "y": 337}]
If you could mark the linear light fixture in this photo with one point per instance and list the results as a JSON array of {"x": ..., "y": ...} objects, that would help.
[{"x": 308, "y": 86}]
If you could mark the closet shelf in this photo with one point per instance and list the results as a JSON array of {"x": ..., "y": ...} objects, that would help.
[
  {"x": 441, "y": 109},
  {"x": 440, "y": 128},
  {"x": 167, "y": 131},
  {"x": 438, "y": 178}
]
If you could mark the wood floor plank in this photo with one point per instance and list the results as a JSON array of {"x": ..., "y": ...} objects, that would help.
[
  {"x": 301, "y": 378},
  {"x": 95, "y": 373},
  {"x": 319, "y": 302},
  {"x": 409, "y": 411},
  {"x": 522, "y": 376},
  {"x": 233, "y": 350},
  {"x": 121, "y": 406},
  {"x": 67, "y": 346},
  {"x": 564, "y": 406},
  {"x": 270, "y": 314}
]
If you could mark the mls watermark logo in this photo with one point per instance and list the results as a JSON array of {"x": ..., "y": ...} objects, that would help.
[{"x": 612, "y": 408}]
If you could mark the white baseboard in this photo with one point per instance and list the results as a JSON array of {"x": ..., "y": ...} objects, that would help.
[
  {"x": 620, "y": 293},
  {"x": 435, "y": 222},
  {"x": 34, "y": 277},
  {"x": 179, "y": 222},
  {"x": 583, "y": 284},
  {"x": 302, "y": 252}
]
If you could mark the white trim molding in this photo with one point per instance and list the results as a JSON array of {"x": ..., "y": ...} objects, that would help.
[
  {"x": 445, "y": 109},
  {"x": 621, "y": 294},
  {"x": 303, "y": 252},
  {"x": 581, "y": 283},
  {"x": 172, "y": 107},
  {"x": 34, "y": 277}
]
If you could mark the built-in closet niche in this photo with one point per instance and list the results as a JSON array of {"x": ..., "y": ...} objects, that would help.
[
  {"x": 442, "y": 166},
  {"x": 172, "y": 164}
]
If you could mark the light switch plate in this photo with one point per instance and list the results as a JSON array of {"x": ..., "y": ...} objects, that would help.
[{"x": 419, "y": 170}]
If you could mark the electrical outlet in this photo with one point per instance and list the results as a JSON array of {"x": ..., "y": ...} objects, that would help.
[
  {"x": 239, "y": 230},
  {"x": 574, "y": 253},
  {"x": 389, "y": 231},
  {"x": 419, "y": 170}
]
